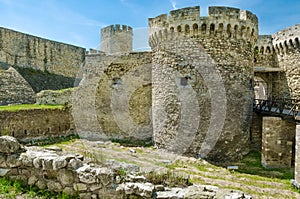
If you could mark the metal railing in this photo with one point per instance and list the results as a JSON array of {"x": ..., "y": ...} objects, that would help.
[{"x": 285, "y": 108}]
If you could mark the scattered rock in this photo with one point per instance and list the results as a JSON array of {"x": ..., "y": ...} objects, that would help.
[
  {"x": 10, "y": 145},
  {"x": 54, "y": 148},
  {"x": 237, "y": 195},
  {"x": 139, "y": 189},
  {"x": 3, "y": 172}
]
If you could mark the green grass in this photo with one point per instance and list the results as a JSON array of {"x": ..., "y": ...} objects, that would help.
[
  {"x": 251, "y": 164},
  {"x": 15, "y": 108},
  {"x": 11, "y": 189}
]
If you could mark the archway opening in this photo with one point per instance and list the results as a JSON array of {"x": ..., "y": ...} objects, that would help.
[{"x": 260, "y": 88}]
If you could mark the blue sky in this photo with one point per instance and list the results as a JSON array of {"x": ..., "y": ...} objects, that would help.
[{"x": 78, "y": 22}]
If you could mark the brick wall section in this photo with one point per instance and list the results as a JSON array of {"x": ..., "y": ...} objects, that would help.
[
  {"x": 26, "y": 124},
  {"x": 277, "y": 142}
]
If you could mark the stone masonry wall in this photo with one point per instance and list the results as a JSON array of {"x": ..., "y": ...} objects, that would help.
[
  {"x": 277, "y": 142},
  {"x": 25, "y": 50},
  {"x": 287, "y": 46},
  {"x": 264, "y": 52},
  {"x": 202, "y": 75},
  {"x": 14, "y": 89},
  {"x": 113, "y": 99},
  {"x": 256, "y": 132},
  {"x": 29, "y": 124},
  {"x": 297, "y": 157}
]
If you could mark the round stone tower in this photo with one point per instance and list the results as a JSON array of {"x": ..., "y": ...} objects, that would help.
[
  {"x": 202, "y": 81},
  {"x": 287, "y": 47},
  {"x": 116, "y": 39}
]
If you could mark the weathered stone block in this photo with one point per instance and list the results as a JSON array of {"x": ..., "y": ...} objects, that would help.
[
  {"x": 13, "y": 161},
  {"x": 10, "y": 145},
  {"x": 80, "y": 187},
  {"x": 65, "y": 177},
  {"x": 54, "y": 186},
  {"x": 41, "y": 184},
  {"x": 32, "y": 180},
  {"x": 59, "y": 163}
]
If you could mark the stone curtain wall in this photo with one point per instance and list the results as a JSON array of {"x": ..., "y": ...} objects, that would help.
[
  {"x": 287, "y": 46},
  {"x": 277, "y": 142},
  {"x": 256, "y": 132},
  {"x": 29, "y": 124},
  {"x": 23, "y": 50},
  {"x": 227, "y": 35},
  {"x": 264, "y": 52},
  {"x": 14, "y": 89},
  {"x": 113, "y": 99}
]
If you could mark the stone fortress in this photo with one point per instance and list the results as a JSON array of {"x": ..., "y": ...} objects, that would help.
[{"x": 192, "y": 94}]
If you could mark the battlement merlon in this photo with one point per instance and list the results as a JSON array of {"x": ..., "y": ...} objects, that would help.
[
  {"x": 289, "y": 34},
  {"x": 117, "y": 28},
  {"x": 191, "y": 15},
  {"x": 232, "y": 22},
  {"x": 264, "y": 40}
]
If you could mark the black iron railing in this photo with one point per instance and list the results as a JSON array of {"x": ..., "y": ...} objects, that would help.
[{"x": 285, "y": 108}]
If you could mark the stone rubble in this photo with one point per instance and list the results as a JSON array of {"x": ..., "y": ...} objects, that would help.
[{"x": 70, "y": 173}]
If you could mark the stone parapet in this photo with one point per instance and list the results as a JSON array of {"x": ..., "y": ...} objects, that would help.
[{"x": 225, "y": 22}]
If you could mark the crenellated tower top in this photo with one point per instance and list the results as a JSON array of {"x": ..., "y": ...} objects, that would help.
[
  {"x": 221, "y": 21},
  {"x": 116, "y": 39},
  {"x": 287, "y": 39}
]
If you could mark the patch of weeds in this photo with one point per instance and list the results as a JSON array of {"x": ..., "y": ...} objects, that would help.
[
  {"x": 133, "y": 142},
  {"x": 251, "y": 164},
  {"x": 19, "y": 107},
  {"x": 121, "y": 172},
  {"x": 50, "y": 140},
  {"x": 168, "y": 178},
  {"x": 6, "y": 131},
  {"x": 11, "y": 189}
]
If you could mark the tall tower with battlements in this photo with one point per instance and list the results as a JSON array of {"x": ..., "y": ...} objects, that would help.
[
  {"x": 116, "y": 39},
  {"x": 202, "y": 75}
]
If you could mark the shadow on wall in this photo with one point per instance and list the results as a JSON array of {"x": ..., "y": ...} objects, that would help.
[{"x": 44, "y": 80}]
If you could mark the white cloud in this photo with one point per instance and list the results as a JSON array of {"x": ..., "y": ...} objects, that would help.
[{"x": 173, "y": 2}]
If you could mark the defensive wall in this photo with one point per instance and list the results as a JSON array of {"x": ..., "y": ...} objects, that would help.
[
  {"x": 287, "y": 46},
  {"x": 41, "y": 61},
  {"x": 200, "y": 71},
  {"x": 38, "y": 123},
  {"x": 113, "y": 100}
]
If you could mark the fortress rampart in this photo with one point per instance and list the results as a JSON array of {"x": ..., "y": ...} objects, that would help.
[
  {"x": 221, "y": 21},
  {"x": 287, "y": 40},
  {"x": 27, "y": 51},
  {"x": 287, "y": 46},
  {"x": 264, "y": 52}
]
